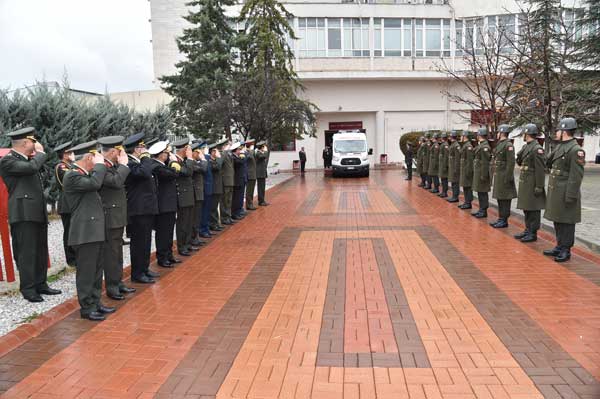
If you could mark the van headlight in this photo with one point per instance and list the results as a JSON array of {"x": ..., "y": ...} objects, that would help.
[
  {"x": 336, "y": 159},
  {"x": 365, "y": 158}
]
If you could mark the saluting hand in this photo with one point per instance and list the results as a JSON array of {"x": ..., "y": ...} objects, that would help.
[
  {"x": 188, "y": 152},
  {"x": 172, "y": 157},
  {"x": 98, "y": 158},
  {"x": 122, "y": 159},
  {"x": 38, "y": 147}
]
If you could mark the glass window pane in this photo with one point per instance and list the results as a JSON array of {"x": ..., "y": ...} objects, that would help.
[
  {"x": 365, "y": 39},
  {"x": 419, "y": 40},
  {"x": 393, "y": 53},
  {"x": 377, "y": 21},
  {"x": 348, "y": 39},
  {"x": 393, "y": 23},
  {"x": 378, "y": 38},
  {"x": 433, "y": 23},
  {"x": 311, "y": 22},
  {"x": 321, "y": 22},
  {"x": 392, "y": 39},
  {"x": 311, "y": 39},
  {"x": 346, "y": 23},
  {"x": 356, "y": 38},
  {"x": 335, "y": 38},
  {"x": 433, "y": 40},
  {"x": 302, "y": 22},
  {"x": 407, "y": 39},
  {"x": 321, "y": 40},
  {"x": 333, "y": 22}
]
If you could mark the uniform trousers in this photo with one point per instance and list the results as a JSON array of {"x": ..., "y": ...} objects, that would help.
[
  {"x": 409, "y": 169},
  {"x": 88, "y": 278},
  {"x": 140, "y": 230},
  {"x": 196, "y": 218},
  {"x": 206, "y": 207},
  {"x": 112, "y": 260},
  {"x": 504, "y": 209},
  {"x": 565, "y": 235},
  {"x": 69, "y": 252},
  {"x": 238, "y": 198},
  {"x": 532, "y": 221},
  {"x": 30, "y": 249},
  {"x": 164, "y": 226},
  {"x": 436, "y": 182},
  {"x": 185, "y": 226},
  {"x": 455, "y": 190},
  {"x": 214, "y": 211},
  {"x": 261, "y": 184},
  {"x": 250, "y": 192},
  {"x": 226, "y": 203},
  {"x": 240, "y": 211},
  {"x": 468, "y": 193},
  {"x": 445, "y": 185},
  {"x": 484, "y": 200}
]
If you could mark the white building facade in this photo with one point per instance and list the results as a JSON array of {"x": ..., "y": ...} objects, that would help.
[{"x": 373, "y": 65}]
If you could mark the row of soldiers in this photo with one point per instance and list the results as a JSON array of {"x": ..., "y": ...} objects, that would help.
[
  {"x": 451, "y": 161},
  {"x": 190, "y": 188}
]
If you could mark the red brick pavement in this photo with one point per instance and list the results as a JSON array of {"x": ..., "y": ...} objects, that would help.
[{"x": 349, "y": 288}]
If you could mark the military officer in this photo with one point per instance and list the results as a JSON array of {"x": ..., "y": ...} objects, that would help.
[
  {"x": 216, "y": 163},
  {"x": 563, "y": 203},
  {"x": 481, "y": 172},
  {"x": 504, "y": 176},
  {"x": 207, "y": 204},
  {"x": 142, "y": 206},
  {"x": 165, "y": 169},
  {"x": 185, "y": 197},
  {"x": 444, "y": 149},
  {"x": 532, "y": 196},
  {"x": 408, "y": 160},
  {"x": 87, "y": 231},
  {"x": 227, "y": 173},
  {"x": 238, "y": 180},
  {"x": 420, "y": 151},
  {"x": 27, "y": 214},
  {"x": 66, "y": 157},
  {"x": 199, "y": 171},
  {"x": 240, "y": 211},
  {"x": 114, "y": 201},
  {"x": 262, "y": 162},
  {"x": 466, "y": 169},
  {"x": 426, "y": 155},
  {"x": 454, "y": 165},
  {"x": 434, "y": 164},
  {"x": 251, "y": 184}
]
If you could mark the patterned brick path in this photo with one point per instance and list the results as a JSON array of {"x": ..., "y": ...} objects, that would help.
[{"x": 348, "y": 288}]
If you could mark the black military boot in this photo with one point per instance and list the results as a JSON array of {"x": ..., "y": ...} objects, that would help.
[
  {"x": 500, "y": 224},
  {"x": 530, "y": 237},
  {"x": 552, "y": 252},
  {"x": 465, "y": 206},
  {"x": 480, "y": 214},
  {"x": 434, "y": 190},
  {"x": 563, "y": 256},
  {"x": 452, "y": 200},
  {"x": 522, "y": 234}
]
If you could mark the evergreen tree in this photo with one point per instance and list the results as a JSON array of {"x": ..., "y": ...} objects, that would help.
[{"x": 200, "y": 88}]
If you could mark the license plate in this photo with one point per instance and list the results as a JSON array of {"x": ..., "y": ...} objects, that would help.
[{"x": 350, "y": 167}]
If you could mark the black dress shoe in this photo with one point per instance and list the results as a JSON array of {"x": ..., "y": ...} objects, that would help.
[
  {"x": 500, "y": 224},
  {"x": 175, "y": 260},
  {"x": 465, "y": 206},
  {"x": 49, "y": 291},
  {"x": 205, "y": 235},
  {"x": 237, "y": 217},
  {"x": 493, "y": 224},
  {"x": 480, "y": 214},
  {"x": 196, "y": 242},
  {"x": 127, "y": 290},
  {"x": 434, "y": 191},
  {"x": 217, "y": 228},
  {"x": 452, "y": 200},
  {"x": 152, "y": 274},
  {"x": 116, "y": 297},
  {"x": 94, "y": 316},
  {"x": 34, "y": 298},
  {"x": 521, "y": 234},
  {"x": 106, "y": 309},
  {"x": 552, "y": 252},
  {"x": 563, "y": 256},
  {"x": 143, "y": 279},
  {"x": 193, "y": 249},
  {"x": 228, "y": 222},
  {"x": 406, "y": 178},
  {"x": 529, "y": 238},
  {"x": 185, "y": 253},
  {"x": 251, "y": 208},
  {"x": 165, "y": 263}
]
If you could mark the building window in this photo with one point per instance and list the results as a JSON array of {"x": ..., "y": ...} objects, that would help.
[
  {"x": 458, "y": 45},
  {"x": 393, "y": 37},
  {"x": 356, "y": 37},
  {"x": 312, "y": 37},
  {"x": 474, "y": 35},
  {"x": 334, "y": 37},
  {"x": 289, "y": 146}
]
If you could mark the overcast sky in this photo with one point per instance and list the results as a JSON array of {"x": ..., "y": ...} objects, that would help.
[{"x": 102, "y": 44}]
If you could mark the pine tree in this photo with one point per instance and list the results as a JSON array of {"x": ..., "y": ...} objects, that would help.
[{"x": 200, "y": 88}]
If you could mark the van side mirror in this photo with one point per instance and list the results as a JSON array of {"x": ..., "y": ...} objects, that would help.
[{"x": 370, "y": 151}]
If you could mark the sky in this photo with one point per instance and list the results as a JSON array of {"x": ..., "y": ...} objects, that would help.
[{"x": 104, "y": 45}]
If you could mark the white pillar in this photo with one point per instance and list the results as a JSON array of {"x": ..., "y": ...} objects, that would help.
[{"x": 379, "y": 135}]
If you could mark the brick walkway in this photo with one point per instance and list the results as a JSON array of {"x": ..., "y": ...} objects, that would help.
[{"x": 349, "y": 288}]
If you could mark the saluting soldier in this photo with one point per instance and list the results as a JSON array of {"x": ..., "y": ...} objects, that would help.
[
  {"x": 504, "y": 176},
  {"x": 443, "y": 164},
  {"x": 165, "y": 170},
  {"x": 262, "y": 163},
  {"x": 27, "y": 214},
  {"x": 185, "y": 197},
  {"x": 420, "y": 151},
  {"x": 66, "y": 157},
  {"x": 238, "y": 180},
  {"x": 454, "y": 165},
  {"x": 482, "y": 178},
  {"x": 87, "y": 232},
  {"x": 467, "y": 155},
  {"x": 251, "y": 184},
  {"x": 216, "y": 162},
  {"x": 199, "y": 171},
  {"x": 227, "y": 173},
  {"x": 563, "y": 203},
  {"x": 532, "y": 195},
  {"x": 114, "y": 200},
  {"x": 434, "y": 164},
  {"x": 142, "y": 207},
  {"x": 208, "y": 203},
  {"x": 426, "y": 155}
]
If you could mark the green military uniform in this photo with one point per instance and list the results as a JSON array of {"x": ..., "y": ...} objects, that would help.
[
  {"x": 482, "y": 178},
  {"x": 454, "y": 166},
  {"x": 62, "y": 208},
  {"x": 87, "y": 232},
  {"x": 419, "y": 159},
  {"x": 27, "y": 216},
  {"x": 227, "y": 173},
  {"x": 426, "y": 151},
  {"x": 504, "y": 189},
  {"x": 114, "y": 201},
  {"x": 443, "y": 165},
  {"x": 251, "y": 184},
  {"x": 563, "y": 203},
  {"x": 532, "y": 196},
  {"x": 434, "y": 165},
  {"x": 262, "y": 162},
  {"x": 465, "y": 180}
]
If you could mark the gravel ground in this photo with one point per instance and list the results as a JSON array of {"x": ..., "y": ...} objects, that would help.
[{"x": 14, "y": 310}]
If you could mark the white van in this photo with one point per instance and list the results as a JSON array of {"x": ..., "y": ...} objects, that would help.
[{"x": 350, "y": 153}]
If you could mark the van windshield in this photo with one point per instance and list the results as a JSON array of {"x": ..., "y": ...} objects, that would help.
[{"x": 345, "y": 146}]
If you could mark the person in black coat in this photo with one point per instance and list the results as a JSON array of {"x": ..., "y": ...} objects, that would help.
[
  {"x": 216, "y": 163},
  {"x": 142, "y": 206},
  {"x": 208, "y": 204},
  {"x": 165, "y": 172},
  {"x": 408, "y": 159},
  {"x": 302, "y": 156},
  {"x": 238, "y": 181}
]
